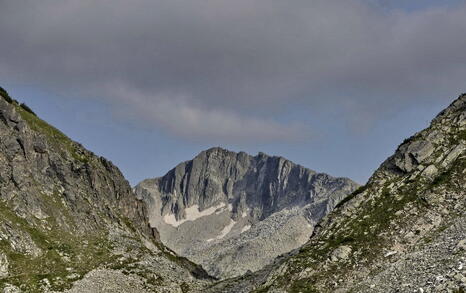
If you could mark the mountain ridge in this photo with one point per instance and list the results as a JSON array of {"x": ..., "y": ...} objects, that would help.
[{"x": 69, "y": 220}]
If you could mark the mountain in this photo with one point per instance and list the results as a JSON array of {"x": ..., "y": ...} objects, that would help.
[
  {"x": 404, "y": 231},
  {"x": 70, "y": 221},
  {"x": 233, "y": 213}
]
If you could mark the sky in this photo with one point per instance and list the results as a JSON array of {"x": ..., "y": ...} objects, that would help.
[{"x": 333, "y": 85}]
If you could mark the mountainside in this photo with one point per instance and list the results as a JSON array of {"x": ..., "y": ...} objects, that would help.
[
  {"x": 68, "y": 216},
  {"x": 232, "y": 212},
  {"x": 404, "y": 231}
]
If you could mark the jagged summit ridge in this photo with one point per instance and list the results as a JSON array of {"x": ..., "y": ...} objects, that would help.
[
  {"x": 219, "y": 175},
  {"x": 221, "y": 207},
  {"x": 458, "y": 105}
]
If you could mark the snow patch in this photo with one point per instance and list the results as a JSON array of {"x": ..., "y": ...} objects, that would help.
[
  {"x": 221, "y": 209},
  {"x": 192, "y": 213},
  {"x": 226, "y": 230},
  {"x": 390, "y": 253},
  {"x": 245, "y": 228}
]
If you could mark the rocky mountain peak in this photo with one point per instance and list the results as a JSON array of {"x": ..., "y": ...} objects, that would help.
[
  {"x": 217, "y": 176},
  {"x": 217, "y": 152},
  {"x": 223, "y": 200}
]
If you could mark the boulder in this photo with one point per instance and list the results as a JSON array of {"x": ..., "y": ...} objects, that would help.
[{"x": 341, "y": 253}]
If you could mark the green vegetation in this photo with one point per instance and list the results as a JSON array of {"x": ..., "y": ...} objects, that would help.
[
  {"x": 63, "y": 257},
  {"x": 303, "y": 286},
  {"x": 441, "y": 179},
  {"x": 362, "y": 232},
  {"x": 184, "y": 287},
  {"x": 26, "y": 108},
  {"x": 406, "y": 141},
  {"x": 462, "y": 135},
  {"x": 54, "y": 136},
  {"x": 5, "y": 95}
]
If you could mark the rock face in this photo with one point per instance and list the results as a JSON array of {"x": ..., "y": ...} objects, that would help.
[
  {"x": 402, "y": 232},
  {"x": 66, "y": 214},
  {"x": 232, "y": 212}
]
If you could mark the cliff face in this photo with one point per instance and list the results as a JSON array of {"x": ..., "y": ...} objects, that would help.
[
  {"x": 65, "y": 212},
  {"x": 233, "y": 212},
  {"x": 402, "y": 232},
  {"x": 40, "y": 164},
  {"x": 267, "y": 184}
]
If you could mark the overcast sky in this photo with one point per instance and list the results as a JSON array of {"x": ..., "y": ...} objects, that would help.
[{"x": 334, "y": 85}]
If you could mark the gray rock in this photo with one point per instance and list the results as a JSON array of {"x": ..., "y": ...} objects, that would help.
[
  {"x": 453, "y": 154},
  {"x": 3, "y": 266},
  {"x": 430, "y": 171},
  {"x": 341, "y": 253},
  {"x": 9, "y": 288},
  {"x": 19, "y": 241},
  {"x": 413, "y": 154},
  {"x": 461, "y": 245}
]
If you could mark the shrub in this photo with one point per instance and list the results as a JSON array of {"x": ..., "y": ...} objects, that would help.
[
  {"x": 349, "y": 197},
  {"x": 27, "y": 109},
  {"x": 5, "y": 95}
]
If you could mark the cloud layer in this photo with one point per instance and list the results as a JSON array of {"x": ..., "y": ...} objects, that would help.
[{"x": 226, "y": 70}]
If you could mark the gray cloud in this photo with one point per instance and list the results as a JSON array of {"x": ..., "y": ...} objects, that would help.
[
  {"x": 225, "y": 69},
  {"x": 180, "y": 117}
]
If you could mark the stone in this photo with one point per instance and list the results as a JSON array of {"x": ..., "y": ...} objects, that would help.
[
  {"x": 453, "y": 155},
  {"x": 430, "y": 171},
  {"x": 9, "y": 288},
  {"x": 413, "y": 154},
  {"x": 461, "y": 245},
  {"x": 4, "y": 264},
  {"x": 40, "y": 147},
  {"x": 341, "y": 253}
]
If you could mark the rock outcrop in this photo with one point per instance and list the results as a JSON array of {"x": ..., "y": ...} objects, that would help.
[
  {"x": 67, "y": 215},
  {"x": 404, "y": 231},
  {"x": 233, "y": 213}
]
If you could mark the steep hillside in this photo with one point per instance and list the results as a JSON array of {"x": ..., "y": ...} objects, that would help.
[
  {"x": 405, "y": 231},
  {"x": 68, "y": 216},
  {"x": 232, "y": 212}
]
